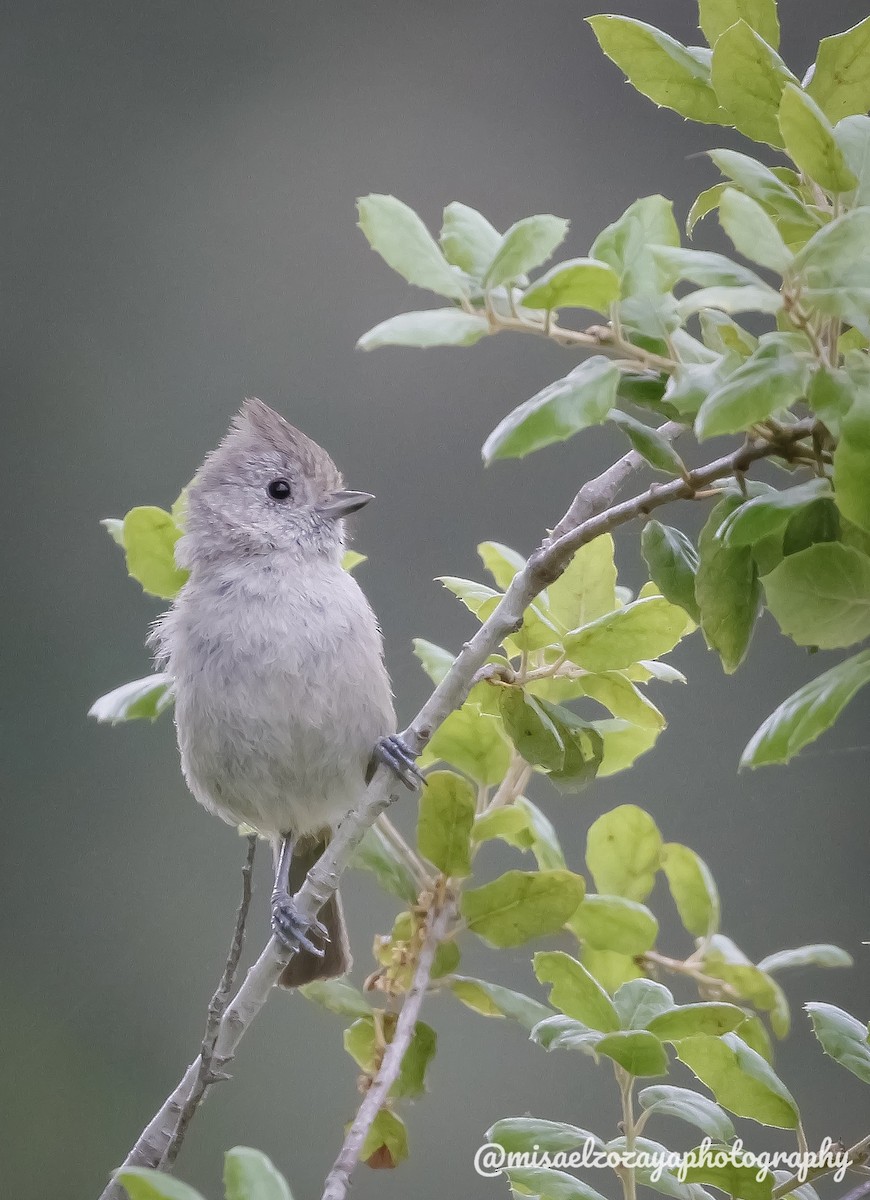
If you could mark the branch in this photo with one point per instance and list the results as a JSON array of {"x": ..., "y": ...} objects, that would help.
[
  {"x": 591, "y": 514},
  {"x": 338, "y": 1179},
  {"x": 210, "y": 1066},
  {"x": 857, "y": 1156}
]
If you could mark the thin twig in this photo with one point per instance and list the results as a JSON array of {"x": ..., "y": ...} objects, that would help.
[
  {"x": 592, "y": 513},
  {"x": 857, "y": 1156},
  {"x": 211, "y": 1068},
  {"x": 338, "y": 1179}
]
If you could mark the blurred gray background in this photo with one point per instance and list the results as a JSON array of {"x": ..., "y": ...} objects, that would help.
[{"x": 179, "y": 232}]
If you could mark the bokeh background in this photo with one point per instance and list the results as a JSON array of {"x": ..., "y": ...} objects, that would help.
[{"x": 179, "y": 232}]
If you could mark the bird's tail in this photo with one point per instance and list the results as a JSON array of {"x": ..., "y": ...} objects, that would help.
[{"x": 305, "y": 967}]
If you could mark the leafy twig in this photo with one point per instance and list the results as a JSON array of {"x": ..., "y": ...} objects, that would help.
[{"x": 338, "y": 1179}]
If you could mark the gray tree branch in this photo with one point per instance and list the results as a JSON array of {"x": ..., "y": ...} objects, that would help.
[
  {"x": 338, "y": 1179},
  {"x": 592, "y": 513}
]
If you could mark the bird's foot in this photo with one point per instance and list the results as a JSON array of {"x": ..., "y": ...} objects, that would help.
[
  {"x": 293, "y": 930},
  {"x": 395, "y": 754}
]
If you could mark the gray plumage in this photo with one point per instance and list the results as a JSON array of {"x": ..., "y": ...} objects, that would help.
[{"x": 280, "y": 687}]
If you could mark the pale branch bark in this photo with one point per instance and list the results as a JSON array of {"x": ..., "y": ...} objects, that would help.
[
  {"x": 338, "y": 1179},
  {"x": 210, "y": 1066},
  {"x": 592, "y": 513}
]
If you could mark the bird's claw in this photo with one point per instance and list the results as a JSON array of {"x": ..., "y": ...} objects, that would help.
[
  {"x": 293, "y": 930},
  {"x": 396, "y": 755}
]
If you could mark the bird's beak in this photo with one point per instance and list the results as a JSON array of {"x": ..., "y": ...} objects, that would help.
[{"x": 342, "y": 504}]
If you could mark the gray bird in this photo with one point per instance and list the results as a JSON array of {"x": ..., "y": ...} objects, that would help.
[{"x": 282, "y": 700}]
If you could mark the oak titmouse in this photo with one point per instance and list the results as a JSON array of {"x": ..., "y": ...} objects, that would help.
[{"x": 282, "y": 700}]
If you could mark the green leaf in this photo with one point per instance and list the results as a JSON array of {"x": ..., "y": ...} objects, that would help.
[
  {"x": 842, "y": 1038},
  {"x": 821, "y": 596},
  {"x": 525, "y": 246},
  {"x": 614, "y": 923},
  {"x": 852, "y": 464},
  {"x": 622, "y": 698},
  {"x": 545, "y": 841},
  {"x": 564, "y": 1033},
  {"x": 715, "y": 16},
  {"x": 471, "y": 741},
  {"x": 738, "y": 1180},
  {"x": 510, "y": 824},
  {"x": 624, "y": 852},
  {"x": 530, "y": 729},
  {"x": 649, "y": 443},
  {"x": 688, "y": 1020},
  {"x": 493, "y": 1000},
  {"x": 114, "y": 527},
  {"x": 659, "y": 67},
  {"x": 693, "y": 889},
  {"x": 723, "y": 960},
  {"x": 468, "y": 240},
  {"x": 645, "y": 628},
  {"x": 760, "y": 182},
  {"x": 337, "y": 996},
  {"x": 754, "y": 1033},
  {"x": 625, "y": 246},
  {"x": 637, "y": 1051},
  {"x": 809, "y": 138},
  {"x": 704, "y": 267},
  {"x": 150, "y": 535},
  {"x": 773, "y": 377},
  {"x": 689, "y": 1106},
  {"x": 815, "y": 522},
  {"x": 672, "y": 562},
  {"x": 447, "y": 806},
  {"x": 753, "y": 298},
  {"x": 412, "y": 1076},
  {"x": 624, "y": 743},
  {"x": 350, "y": 560},
  {"x": 521, "y": 1133},
  {"x": 394, "y": 231},
  {"x": 435, "y": 660},
  {"x": 639, "y": 1000},
  {"x": 834, "y": 265},
  {"x": 840, "y": 84},
  {"x": 501, "y": 562},
  {"x": 574, "y": 991},
  {"x": 520, "y": 905},
  {"x": 477, "y": 597},
  {"x": 853, "y": 138},
  {"x": 583, "y": 398},
  {"x": 769, "y": 513},
  {"x": 546, "y": 1184},
  {"x": 434, "y": 327},
  {"x": 143, "y": 1183},
  {"x": 576, "y": 283},
  {"x": 583, "y": 745},
  {"x": 727, "y": 590},
  {"x": 143, "y": 698},
  {"x": 807, "y": 713},
  {"x": 821, "y": 955},
  {"x": 753, "y": 232},
  {"x": 377, "y": 855},
  {"x": 386, "y": 1142},
  {"x": 586, "y": 589},
  {"x": 704, "y": 204},
  {"x": 748, "y": 77},
  {"x": 250, "y": 1175},
  {"x": 740, "y": 1079}
]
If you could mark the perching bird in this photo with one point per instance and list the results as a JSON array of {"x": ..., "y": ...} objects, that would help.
[{"x": 282, "y": 700}]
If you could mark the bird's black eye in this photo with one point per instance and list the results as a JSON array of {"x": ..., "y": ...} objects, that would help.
[{"x": 279, "y": 489}]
